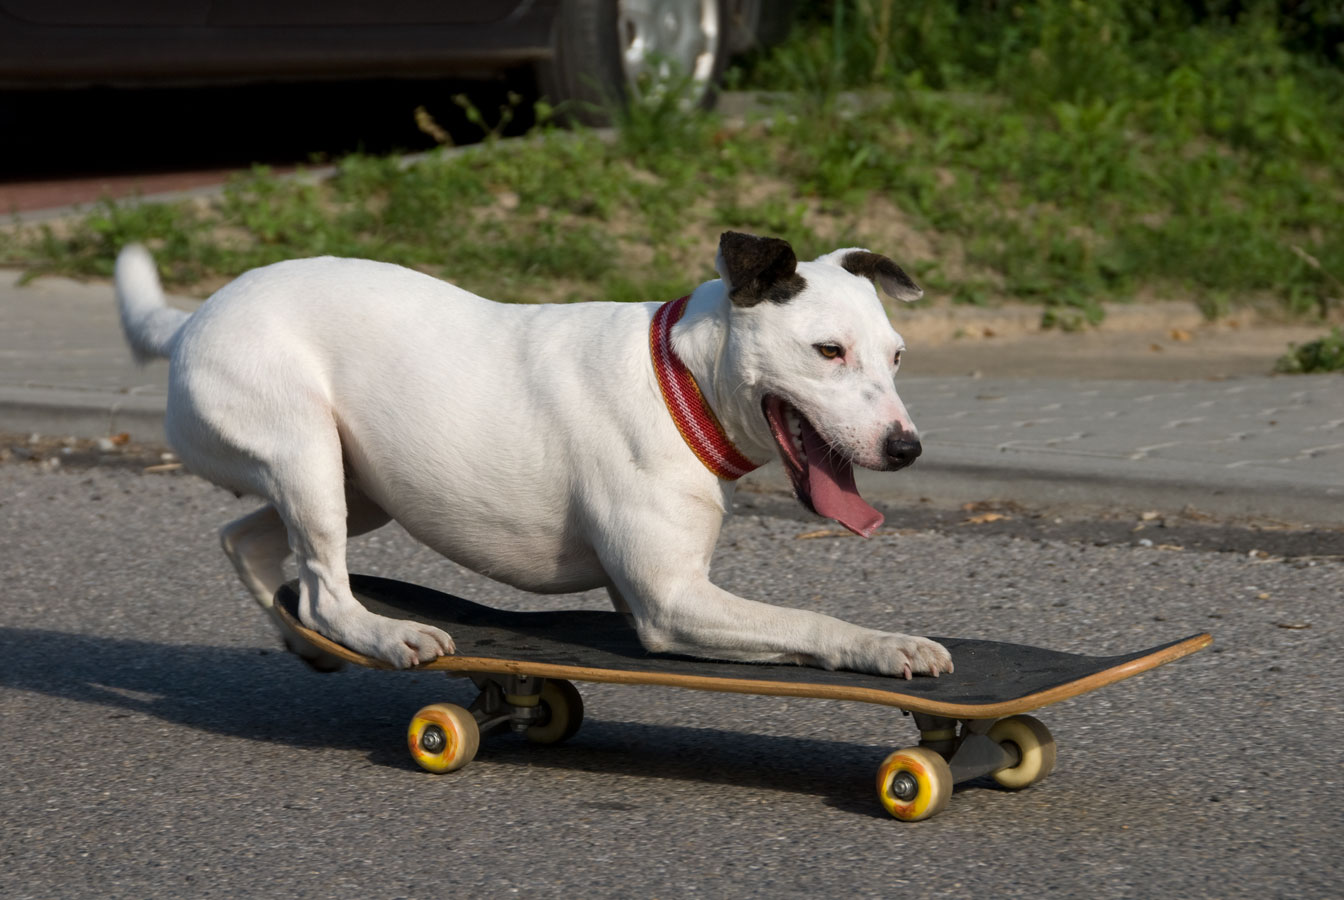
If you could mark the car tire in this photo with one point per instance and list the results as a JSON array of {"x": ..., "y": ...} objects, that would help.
[{"x": 605, "y": 52}]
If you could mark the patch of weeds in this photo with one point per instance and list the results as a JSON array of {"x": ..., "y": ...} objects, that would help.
[
  {"x": 88, "y": 247},
  {"x": 1324, "y": 354},
  {"x": 561, "y": 250},
  {"x": 417, "y": 202},
  {"x": 663, "y": 286},
  {"x": 285, "y": 214},
  {"x": 360, "y": 177},
  {"x": 777, "y": 214},
  {"x": 491, "y": 131},
  {"x": 574, "y": 173},
  {"x": 1214, "y": 305},
  {"x": 836, "y": 155},
  {"x": 661, "y": 130},
  {"x": 1071, "y": 313},
  {"x": 971, "y": 293}
]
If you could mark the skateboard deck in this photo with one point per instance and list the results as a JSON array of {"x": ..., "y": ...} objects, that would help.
[{"x": 514, "y": 655}]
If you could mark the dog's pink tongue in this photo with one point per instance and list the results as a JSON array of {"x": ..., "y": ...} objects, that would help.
[{"x": 830, "y": 481}]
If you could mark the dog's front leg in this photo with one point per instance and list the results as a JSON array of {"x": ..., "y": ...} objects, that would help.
[
  {"x": 698, "y": 618},
  {"x": 663, "y": 574}
]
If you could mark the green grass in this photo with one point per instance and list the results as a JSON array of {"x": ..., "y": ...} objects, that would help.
[
  {"x": 1060, "y": 153},
  {"x": 1324, "y": 354},
  {"x": 1086, "y": 152}
]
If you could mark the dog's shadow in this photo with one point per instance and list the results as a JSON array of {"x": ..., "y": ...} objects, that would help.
[{"x": 269, "y": 696}]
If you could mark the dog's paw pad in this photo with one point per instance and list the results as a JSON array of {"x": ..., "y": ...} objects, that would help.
[
  {"x": 929, "y": 657},
  {"x": 412, "y": 643},
  {"x": 903, "y": 656}
]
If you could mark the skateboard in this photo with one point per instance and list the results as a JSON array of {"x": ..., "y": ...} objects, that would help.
[{"x": 971, "y": 723}]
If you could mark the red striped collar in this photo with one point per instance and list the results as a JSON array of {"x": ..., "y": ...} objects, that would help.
[{"x": 697, "y": 423}]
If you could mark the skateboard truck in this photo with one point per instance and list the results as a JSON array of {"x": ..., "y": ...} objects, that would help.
[
  {"x": 973, "y": 753},
  {"x": 916, "y": 782},
  {"x": 508, "y": 701},
  {"x": 444, "y": 737},
  {"x": 505, "y": 701}
]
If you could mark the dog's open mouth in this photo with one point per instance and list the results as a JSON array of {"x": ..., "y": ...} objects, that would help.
[{"x": 823, "y": 477}]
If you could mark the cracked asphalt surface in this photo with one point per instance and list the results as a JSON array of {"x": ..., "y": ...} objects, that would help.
[{"x": 157, "y": 743}]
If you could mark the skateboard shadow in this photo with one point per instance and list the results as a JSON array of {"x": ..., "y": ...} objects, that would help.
[
  {"x": 247, "y": 692},
  {"x": 269, "y": 696},
  {"x": 839, "y": 774}
]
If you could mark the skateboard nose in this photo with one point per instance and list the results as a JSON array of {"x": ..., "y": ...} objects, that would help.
[{"x": 902, "y": 451}]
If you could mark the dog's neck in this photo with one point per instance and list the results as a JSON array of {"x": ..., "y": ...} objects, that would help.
[{"x": 687, "y": 404}]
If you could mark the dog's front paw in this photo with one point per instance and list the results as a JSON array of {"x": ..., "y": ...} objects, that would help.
[
  {"x": 400, "y": 643},
  {"x": 405, "y": 644},
  {"x": 927, "y": 658},
  {"x": 904, "y": 656}
]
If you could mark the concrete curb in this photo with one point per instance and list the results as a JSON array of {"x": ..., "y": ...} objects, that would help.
[{"x": 82, "y": 413}]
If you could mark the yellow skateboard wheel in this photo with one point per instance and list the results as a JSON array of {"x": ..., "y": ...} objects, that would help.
[
  {"x": 1035, "y": 748},
  {"x": 443, "y": 737},
  {"x": 564, "y": 713},
  {"x": 914, "y": 783}
]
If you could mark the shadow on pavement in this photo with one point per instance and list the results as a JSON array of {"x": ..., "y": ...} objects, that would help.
[{"x": 266, "y": 696}]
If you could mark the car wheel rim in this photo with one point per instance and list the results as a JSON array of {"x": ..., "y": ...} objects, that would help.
[{"x": 667, "y": 39}]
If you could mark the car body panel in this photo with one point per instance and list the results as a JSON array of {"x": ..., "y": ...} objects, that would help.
[{"x": 78, "y": 43}]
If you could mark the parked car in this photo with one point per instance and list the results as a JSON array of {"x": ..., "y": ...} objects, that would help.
[{"x": 581, "y": 52}]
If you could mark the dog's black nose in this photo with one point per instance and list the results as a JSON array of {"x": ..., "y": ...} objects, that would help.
[{"x": 901, "y": 451}]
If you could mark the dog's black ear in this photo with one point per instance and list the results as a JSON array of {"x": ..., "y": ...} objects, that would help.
[
  {"x": 889, "y": 276},
  {"x": 758, "y": 268}
]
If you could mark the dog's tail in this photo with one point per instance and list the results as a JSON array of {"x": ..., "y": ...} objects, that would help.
[{"x": 150, "y": 324}]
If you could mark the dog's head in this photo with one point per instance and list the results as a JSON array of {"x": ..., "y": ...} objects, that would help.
[{"x": 814, "y": 357}]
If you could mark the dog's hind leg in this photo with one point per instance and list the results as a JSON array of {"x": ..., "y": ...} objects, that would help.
[
  {"x": 258, "y": 545},
  {"x": 621, "y": 605}
]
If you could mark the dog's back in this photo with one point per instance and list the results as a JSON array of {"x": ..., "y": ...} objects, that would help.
[{"x": 468, "y": 421}]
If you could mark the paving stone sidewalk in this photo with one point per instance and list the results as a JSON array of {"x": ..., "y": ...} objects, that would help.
[
  {"x": 1261, "y": 446},
  {"x": 1265, "y": 447}
]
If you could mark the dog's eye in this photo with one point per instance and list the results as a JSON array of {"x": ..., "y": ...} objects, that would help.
[
  {"x": 897, "y": 361},
  {"x": 830, "y": 351}
]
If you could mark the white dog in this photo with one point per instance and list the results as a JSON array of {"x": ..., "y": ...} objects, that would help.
[{"x": 551, "y": 447}]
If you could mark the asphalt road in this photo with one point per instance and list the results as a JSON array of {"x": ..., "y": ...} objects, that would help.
[{"x": 157, "y": 744}]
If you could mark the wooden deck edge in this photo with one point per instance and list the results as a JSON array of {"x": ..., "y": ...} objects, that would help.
[{"x": 909, "y": 702}]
